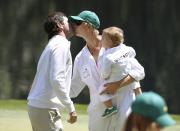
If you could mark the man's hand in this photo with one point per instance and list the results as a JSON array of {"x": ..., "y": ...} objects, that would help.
[{"x": 73, "y": 117}]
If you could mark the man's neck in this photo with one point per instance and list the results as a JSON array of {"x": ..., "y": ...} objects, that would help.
[{"x": 62, "y": 34}]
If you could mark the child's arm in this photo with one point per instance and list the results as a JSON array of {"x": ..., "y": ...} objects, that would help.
[
  {"x": 137, "y": 91},
  {"x": 136, "y": 70}
]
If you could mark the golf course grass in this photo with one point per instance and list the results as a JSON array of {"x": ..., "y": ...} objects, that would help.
[{"x": 14, "y": 117}]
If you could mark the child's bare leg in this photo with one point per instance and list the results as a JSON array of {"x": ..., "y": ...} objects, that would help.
[
  {"x": 137, "y": 91},
  {"x": 108, "y": 103},
  {"x": 110, "y": 109}
]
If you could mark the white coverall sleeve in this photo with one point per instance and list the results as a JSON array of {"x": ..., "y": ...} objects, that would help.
[
  {"x": 76, "y": 83},
  {"x": 105, "y": 68},
  {"x": 136, "y": 69},
  {"x": 132, "y": 52},
  {"x": 58, "y": 67}
]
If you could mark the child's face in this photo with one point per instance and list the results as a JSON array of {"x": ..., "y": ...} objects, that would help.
[{"x": 106, "y": 41}]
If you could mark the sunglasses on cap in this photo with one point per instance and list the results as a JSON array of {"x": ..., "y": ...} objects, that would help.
[{"x": 77, "y": 22}]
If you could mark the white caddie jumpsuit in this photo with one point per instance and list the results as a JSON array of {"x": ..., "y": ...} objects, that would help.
[{"x": 115, "y": 64}]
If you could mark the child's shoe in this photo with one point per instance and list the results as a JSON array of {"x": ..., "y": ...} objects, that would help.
[{"x": 109, "y": 111}]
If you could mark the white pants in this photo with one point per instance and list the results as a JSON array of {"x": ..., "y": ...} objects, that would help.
[{"x": 45, "y": 119}]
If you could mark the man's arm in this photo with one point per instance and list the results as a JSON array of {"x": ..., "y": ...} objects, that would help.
[{"x": 58, "y": 67}]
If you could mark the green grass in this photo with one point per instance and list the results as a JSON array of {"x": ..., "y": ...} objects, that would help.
[
  {"x": 13, "y": 104},
  {"x": 176, "y": 117},
  {"x": 22, "y": 105},
  {"x": 14, "y": 117}
]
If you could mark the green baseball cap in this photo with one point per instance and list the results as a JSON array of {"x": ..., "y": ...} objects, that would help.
[
  {"x": 152, "y": 106},
  {"x": 87, "y": 16}
]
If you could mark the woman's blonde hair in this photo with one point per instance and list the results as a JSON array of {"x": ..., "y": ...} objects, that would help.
[
  {"x": 115, "y": 34},
  {"x": 95, "y": 31}
]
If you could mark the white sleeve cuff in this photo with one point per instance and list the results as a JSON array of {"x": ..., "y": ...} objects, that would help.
[
  {"x": 71, "y": 107},
  {"x": 136, "y": 85},
  {"x": 137, "y": 75}
]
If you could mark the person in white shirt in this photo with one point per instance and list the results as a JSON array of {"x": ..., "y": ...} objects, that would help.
[
  {"x": 116, "y": 63},
  {"x": 50, "y": 89},
  {"x": 86, "y": 72}
]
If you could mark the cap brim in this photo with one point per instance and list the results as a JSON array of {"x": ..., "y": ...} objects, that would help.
[
  {"x": 74, "y": 18},
  {"x": 165, "y": 120}
]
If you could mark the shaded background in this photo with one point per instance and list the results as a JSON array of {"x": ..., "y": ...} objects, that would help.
[{"x": 152, "y": 27}]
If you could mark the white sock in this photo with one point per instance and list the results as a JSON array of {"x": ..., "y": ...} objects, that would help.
[{"x": 110, "y": 108}]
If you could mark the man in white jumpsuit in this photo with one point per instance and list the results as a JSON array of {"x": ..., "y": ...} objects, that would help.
[{"x": 85, "y": 71}]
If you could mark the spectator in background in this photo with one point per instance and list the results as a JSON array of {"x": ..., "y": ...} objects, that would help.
[
  {"x": 52, "y": 81},
  {"x": 149, "y": 113}
]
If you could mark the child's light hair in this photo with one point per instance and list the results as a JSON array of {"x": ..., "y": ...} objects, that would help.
[{"x": 115, "y": 34}]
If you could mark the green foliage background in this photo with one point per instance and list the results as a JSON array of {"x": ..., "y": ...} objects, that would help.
[{"x": 151, "y": 27}]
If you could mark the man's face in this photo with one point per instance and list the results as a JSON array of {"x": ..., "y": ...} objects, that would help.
[
  {"x": 66, "y": 25},
  {"x": 71, "y": 29}
]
